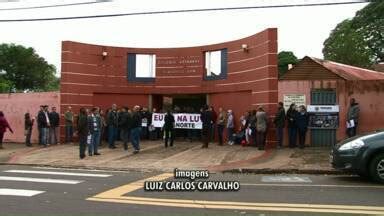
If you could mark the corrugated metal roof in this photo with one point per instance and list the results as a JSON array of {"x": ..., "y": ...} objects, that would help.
[
  {"x": 379, "y": 67},
  {"x": 349, "y": 72}
]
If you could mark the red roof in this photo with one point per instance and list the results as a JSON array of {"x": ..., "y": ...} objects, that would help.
[{"x": 349, "y": 72}]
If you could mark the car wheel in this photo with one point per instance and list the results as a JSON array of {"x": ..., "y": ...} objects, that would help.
[{"x": 376, "y": 168}]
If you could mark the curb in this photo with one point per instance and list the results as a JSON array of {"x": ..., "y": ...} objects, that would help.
[
  {"x": 286, "y": 171},
  {"x": 232, "y": 171}
]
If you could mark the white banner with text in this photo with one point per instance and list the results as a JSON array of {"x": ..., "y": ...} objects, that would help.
[{"x": 182, "y": 120}]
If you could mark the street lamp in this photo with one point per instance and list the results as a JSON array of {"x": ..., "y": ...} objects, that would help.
[{"x": 3, "y": 72}]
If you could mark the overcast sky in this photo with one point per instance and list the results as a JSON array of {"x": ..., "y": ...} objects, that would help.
[{"x": 300, "y": 29}]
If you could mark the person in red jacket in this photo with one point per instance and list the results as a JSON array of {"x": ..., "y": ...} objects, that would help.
[{"x": 3, "y": 127}]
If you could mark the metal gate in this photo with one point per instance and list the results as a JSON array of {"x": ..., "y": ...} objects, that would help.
[{"x": 323, "y": 137}]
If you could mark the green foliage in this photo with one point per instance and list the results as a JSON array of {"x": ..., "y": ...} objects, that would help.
[
  {"x": 284, "y": 59},
  {"x": 25, "y": 70},
  {"x": 358, "y": 41},
  {"x": 346, "y": 45}
]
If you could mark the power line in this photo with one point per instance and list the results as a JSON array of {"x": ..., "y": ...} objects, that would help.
[
  {"x": 183, "y": 11},
  {"x": 55, "y": 5}
]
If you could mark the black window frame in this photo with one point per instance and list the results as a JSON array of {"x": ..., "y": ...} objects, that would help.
[{"x": 131, "y": 69}]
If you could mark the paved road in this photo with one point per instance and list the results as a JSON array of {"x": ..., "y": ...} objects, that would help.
[{"x": 46, "y": 191}]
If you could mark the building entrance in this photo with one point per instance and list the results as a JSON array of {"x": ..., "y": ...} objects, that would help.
[{"x": 188, "y": 103}]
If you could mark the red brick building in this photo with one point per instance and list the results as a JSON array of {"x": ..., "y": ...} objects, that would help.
[{"x": 238, "y": 75}]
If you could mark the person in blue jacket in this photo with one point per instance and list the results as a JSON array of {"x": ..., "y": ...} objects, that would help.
[{"x": 301, "y": 120}]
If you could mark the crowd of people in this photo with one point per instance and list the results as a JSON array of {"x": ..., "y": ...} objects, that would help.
[{"x": 130, "y": 125}]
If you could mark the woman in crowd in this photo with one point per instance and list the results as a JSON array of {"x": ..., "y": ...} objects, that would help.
[
  {"x": 261, "y": 127},
  {"x": 28, "y": 125},
  {"x": 3, "y": 127},
  {"x": 292, "y": 127},
  {"x": 302, "y": 124}
]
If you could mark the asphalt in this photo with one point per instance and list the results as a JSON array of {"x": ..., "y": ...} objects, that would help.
[{"x": 347, "y": 191}]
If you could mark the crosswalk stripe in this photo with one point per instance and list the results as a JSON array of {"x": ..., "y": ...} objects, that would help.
[
  {"x": 42, "y": 180},
  {"x": 19, "y": 192},
  {"x": 57, "y": 173}
]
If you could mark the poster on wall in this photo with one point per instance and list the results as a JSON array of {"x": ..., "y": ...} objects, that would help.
[
  {"x": 298, "y": 99},
  {"x": 182, "y": 120}
]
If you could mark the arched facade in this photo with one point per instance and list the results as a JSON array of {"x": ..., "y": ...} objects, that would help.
[{"x": 95, "y": 75}]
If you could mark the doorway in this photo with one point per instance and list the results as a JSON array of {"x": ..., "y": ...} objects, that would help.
[{"x": 189, "y": 103}]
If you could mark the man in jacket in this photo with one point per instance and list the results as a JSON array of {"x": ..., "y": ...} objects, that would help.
[
  {"x": 125, "y": 126},
  {"x": 94, "y": 128},
  {"x": 169, "y": 122},
  {"x": 69, "y": 119},
  {"x": 54, "y": 119},
  {"x": 206, "y": 119},
  {"x": 302, "y": 120},
  {"x": 292, "y": 127},
  {"x": 82, "y": 131},
  {"x": 39, "y": 119},
  {"x": 279, "y": 122},
  {"x": 44, "y": 124},
  {"x": 136, "y": 129},
  {"x": 352, "y": 118},
  {"x": 112, "y": 123}
]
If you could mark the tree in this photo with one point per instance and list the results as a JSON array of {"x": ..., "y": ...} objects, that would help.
[
  {"x": 360, "y": 40},
  {"x": 345, "y": 45},
  {"x": 25, "y": 70},
  {"x": 284, "y": 59}
]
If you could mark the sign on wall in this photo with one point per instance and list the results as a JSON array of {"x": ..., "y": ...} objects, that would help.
[
  {"x": 182, "y": 120},
  {"x": 298, "y": 99}
]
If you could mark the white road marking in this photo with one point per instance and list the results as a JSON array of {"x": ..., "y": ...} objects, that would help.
[
  {"x": 42, "y": 180},
  {"x": 57, "y": 173},
  {"x": 312, "y": 185},
  {"x": 79, "y": 169},
  {"x": 289, "y": 179},
  {"x": 19, "y": 192}
]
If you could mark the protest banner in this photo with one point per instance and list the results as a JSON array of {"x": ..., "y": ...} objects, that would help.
[{"x": 182, "y": 120}]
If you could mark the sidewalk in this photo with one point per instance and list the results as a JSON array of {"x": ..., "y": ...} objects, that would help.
[{"x": 184, "y": 155}]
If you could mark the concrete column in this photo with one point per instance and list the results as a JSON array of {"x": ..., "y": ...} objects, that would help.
[{"x": 150, "y": 102}]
